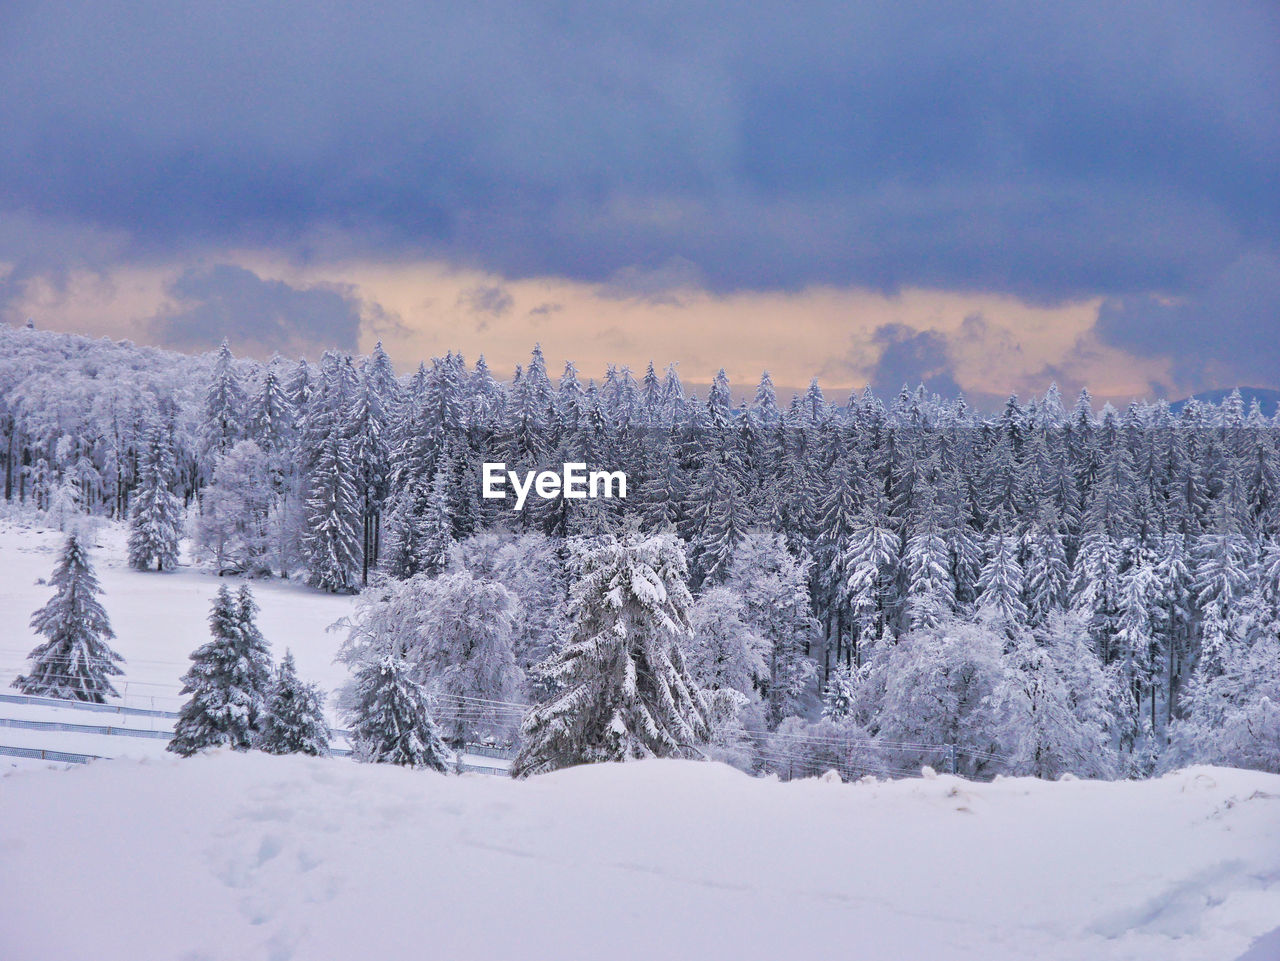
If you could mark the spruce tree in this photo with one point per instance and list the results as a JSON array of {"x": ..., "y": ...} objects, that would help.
[
  {"x": 75, "y": 662},
  {"x": 1001, "y": 583},
  {"x": 155, "y": 516},
  {"x": 332, "y": 540},
  {"x": 389, "y": 717},
  {"x": 294, "y": 720},
  {"x": 624, "y": 689},
  {"x": 224, "y": 404},
  {"x": 840, "y": 697},
  {"x": 437, "y": 524},
  {"x": 228, "y": 681}
]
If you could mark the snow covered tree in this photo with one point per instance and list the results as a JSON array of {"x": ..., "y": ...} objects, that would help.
[
  {"x": 839, "y": 699},
  {"x": 367, "y": 426},
  {"x": 1047, "y": 573},
  {"x": 465, "y": 654},
  {"x": 224, "y": 407},
  {"x": 402, "y": 557},
  {"x": 931, "y": 589},
  {"x": 1044, "y": 732},
  {"x": 390, "y": 718},
  {"x": 75, "y": 661},
  {"x": 293, "y": 722},
  {"x": 531, "y": 568},
  {"x": 724, "y": 650},
  {"x": 624, "y": 690},
  {"x": 273, "y": 417},
  {"x": 436, "y": 526},
  {"x": 332, "y": 538},
  {"x": 1135, "y": 639},
  {"x": 229, "y": 680},
  {"x": 774, "y": 585},
  {"x": 234, "y": 528},
  {"x": 155, "y": 516},
  {"x": 726, "y": 657},
  {"x": 456, "y": 633},
  {"x": 1001, "y": 582},
  {"x": 871, "y": 560},
  {"x": 935, "y": 687}
]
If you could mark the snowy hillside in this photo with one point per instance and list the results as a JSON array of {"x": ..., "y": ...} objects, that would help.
[
  {"x": 241, "y": 857},
  {"x": 160, "y": 618}
]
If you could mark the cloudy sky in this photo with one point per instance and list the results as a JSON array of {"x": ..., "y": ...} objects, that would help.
[{"x": 983, "y": 196}]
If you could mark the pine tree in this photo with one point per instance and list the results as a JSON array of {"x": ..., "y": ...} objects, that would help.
[
  {"x": 931, "y": 589},
  {"x": 871, "y": 560},
  {"x": 1048, "y": 575},
  {"x": 406, "y": 533},
  {"x": 293, "y": 722},
  {"x": 155, "y": 516},
  {"x": 1001, "y": 583},
  {"x": 1136, "y": 644},
  {"x": 332, "y": 540},
  {"x": 839, "y": 699},
  {"x": 390, "y": 719},
  {"x": 75, "y": 662},
  {"x": 224, "y": 413},
  {"x": 229, "y": 681},
  {"x": 273, "y": 417},
  {"x": 624, "y": 690},
  {"x": 366, "y": 430},
  {"x": 436, "y": 528}
]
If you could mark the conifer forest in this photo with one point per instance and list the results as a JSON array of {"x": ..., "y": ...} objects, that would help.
[{"x": 855, "y": 582}]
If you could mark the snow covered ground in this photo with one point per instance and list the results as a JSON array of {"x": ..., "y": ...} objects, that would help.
[{"x": 248, "y": 856}]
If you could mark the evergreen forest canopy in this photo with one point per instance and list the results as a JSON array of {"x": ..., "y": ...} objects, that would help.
[{"x": 1053, "y": 588}]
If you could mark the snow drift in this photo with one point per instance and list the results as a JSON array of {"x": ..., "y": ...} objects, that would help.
[{"x": 245, "y": 856}]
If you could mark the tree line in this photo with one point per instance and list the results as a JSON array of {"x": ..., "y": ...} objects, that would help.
[{"x": 1127, "y": 561}]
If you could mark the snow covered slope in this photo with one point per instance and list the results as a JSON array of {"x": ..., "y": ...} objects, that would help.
[
  {"x": 160, "y": 618},
  {"x": 248, "y": 856}
]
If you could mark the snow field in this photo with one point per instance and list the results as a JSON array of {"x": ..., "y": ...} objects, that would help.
[{"x": 241, "y": 857}]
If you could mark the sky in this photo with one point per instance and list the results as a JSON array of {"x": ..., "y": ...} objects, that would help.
[{"x": 984, "y": 197}]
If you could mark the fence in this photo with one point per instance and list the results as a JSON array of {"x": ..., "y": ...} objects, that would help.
[
  {"x": 793, "y": 756},
  {"x": 40, "y": 754},
  {"x": 82, "y": 728},
  {"x": 85, "y": 705}
]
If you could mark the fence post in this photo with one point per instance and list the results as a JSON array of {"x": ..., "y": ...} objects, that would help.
[{"x": 951, "y": 754}]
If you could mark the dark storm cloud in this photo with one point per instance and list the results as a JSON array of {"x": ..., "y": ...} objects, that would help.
[
  {"x": 1229, "y": 327},
  {"x": 910, "y": 357},
  {"x": 256, "y": 315},
  {"x": 1045, "y": 150}
]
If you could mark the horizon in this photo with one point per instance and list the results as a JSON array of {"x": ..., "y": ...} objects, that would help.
[{"x": 742, "y": 390}]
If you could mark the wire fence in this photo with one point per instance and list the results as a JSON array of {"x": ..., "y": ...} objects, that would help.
[
  {"x": 85, "y": 705},
  {"x": 82, "y": 728},
  {"x": 40, "y": 754},
  {"x": 792, "y": 756}
]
